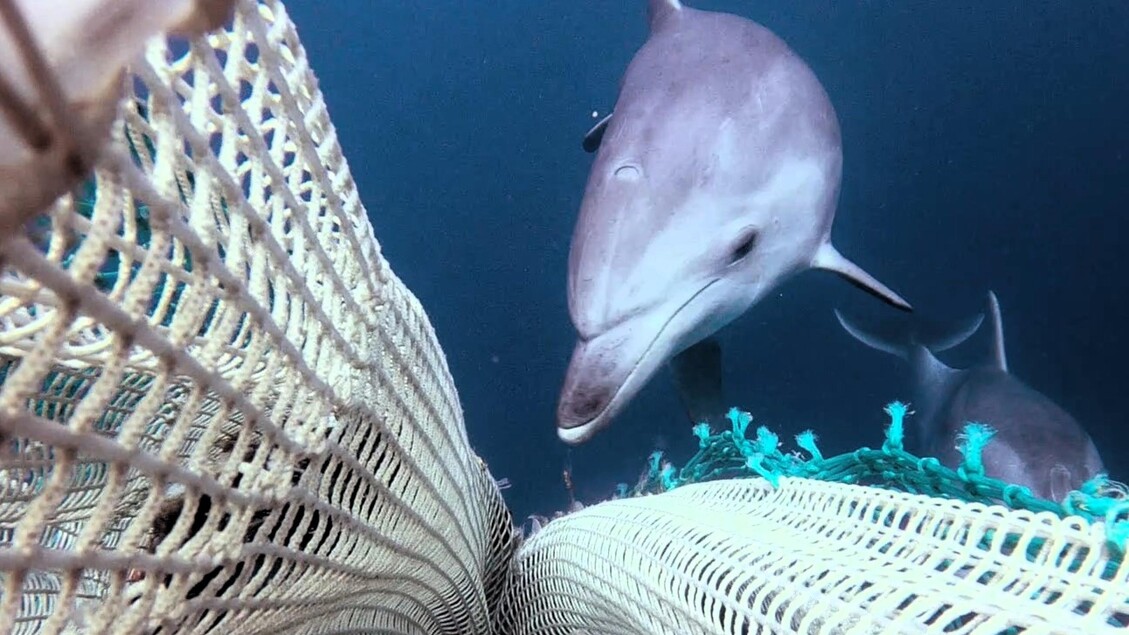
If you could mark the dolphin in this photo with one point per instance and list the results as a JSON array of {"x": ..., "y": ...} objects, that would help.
[
  {"x": 1036, "y": 444},
  {"x": 715, "y": 178}
]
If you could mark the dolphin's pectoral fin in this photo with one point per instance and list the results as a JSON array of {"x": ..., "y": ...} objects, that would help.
[
  {"x": 697, "y": 375},
  {"x": 829, "y": 259},
  {"x": 1060, "y": 483},
  {"x": 594, "y": 136}
]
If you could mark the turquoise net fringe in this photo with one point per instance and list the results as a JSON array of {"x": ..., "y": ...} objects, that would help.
[{"x": 731, "y": 454}]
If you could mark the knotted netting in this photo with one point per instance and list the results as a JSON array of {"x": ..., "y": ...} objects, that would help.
[
  {"x": 748, "y": 538},
  {"x": 813, "y": 557},
  {"x": 221, "y": 411}
]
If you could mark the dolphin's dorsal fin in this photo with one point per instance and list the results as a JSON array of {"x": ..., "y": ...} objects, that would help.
[
  {"x": 595, "y": 135},
  {"x": 829, "y": 259},
  {"x": 999, "y": 356},
  {"x": 660, "y": 10}
]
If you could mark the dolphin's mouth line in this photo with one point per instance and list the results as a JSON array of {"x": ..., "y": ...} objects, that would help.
[{"x": 647, "y": 352}]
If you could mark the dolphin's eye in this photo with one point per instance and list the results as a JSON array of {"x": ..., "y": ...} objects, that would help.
[{"x": 744, "y": 246}]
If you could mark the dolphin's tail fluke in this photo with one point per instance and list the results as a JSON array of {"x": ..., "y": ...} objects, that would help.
[{"x": 900, "y": 337}]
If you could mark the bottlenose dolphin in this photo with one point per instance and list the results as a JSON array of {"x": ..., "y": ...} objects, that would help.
[
  {"x": 1037, "y": 444},
  {"x": 715, "y": 178}
]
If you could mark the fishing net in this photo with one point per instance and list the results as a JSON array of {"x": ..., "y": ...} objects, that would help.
[
  {"x": 784, "y": 544},
  {"x": 221, "y": 411},
  {"x": 809, "y": 556},
  {"x": 731, "y": 454}
]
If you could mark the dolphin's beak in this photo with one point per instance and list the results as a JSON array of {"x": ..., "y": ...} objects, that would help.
[
  {"x": 594, "y": 387},
  {"x": 608, "y": 370}
]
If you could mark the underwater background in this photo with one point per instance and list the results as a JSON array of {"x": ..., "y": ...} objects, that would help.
[{"x": 986, "y": 146}]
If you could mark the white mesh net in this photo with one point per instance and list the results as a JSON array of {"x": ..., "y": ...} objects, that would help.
[
  {"x": 220, "y": 407},
  {"x": 811, "y": 557},
  {"x": 221, "y": 411}
]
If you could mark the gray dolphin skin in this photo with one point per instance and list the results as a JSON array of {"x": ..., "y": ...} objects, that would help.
[
  {"x": 1037, "y": 444},
  {"x": 715, "y": 179}
]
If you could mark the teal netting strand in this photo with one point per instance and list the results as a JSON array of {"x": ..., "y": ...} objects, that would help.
[{"x": 731, "y": 454}]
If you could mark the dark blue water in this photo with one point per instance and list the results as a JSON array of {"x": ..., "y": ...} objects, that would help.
[{"x": 986, "y": 147}]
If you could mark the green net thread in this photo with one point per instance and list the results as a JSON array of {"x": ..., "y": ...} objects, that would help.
[{"x": 731, "y": 454}]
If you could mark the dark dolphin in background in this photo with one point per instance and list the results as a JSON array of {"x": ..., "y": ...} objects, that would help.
[
  {"x": 1037, "y": 444},
  {"x": 715, "y": 179}
]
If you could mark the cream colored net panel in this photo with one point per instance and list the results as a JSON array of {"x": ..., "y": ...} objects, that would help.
[
  {"x": 220, "y": 410},
  {"x": 810, "y": 557}
]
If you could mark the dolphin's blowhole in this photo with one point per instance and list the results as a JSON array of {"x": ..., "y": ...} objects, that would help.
[{"x": 628, "y": 172}]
